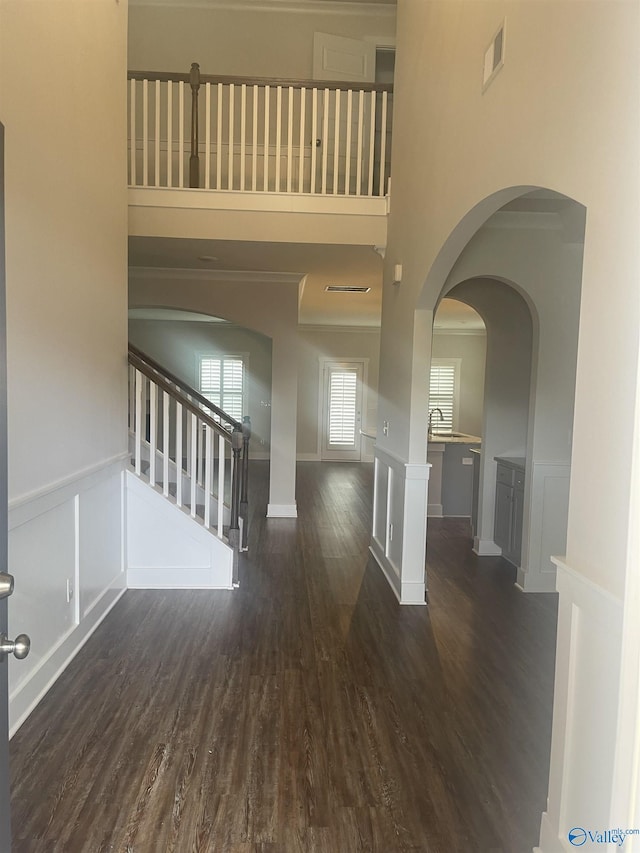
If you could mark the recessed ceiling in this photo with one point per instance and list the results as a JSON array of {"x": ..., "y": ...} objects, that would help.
[{"x": 317, "y": 265}]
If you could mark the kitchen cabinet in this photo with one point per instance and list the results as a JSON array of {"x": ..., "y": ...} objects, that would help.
[{"x": 507, "y": 528}]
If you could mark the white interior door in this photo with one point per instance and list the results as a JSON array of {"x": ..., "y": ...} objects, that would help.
[
  {"x": 345, "y": 59},
  {"x": 342, "y": 411}
]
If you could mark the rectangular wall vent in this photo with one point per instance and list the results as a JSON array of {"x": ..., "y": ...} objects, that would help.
[
  {"x": 335, "y": 288},
  {"x": 494, "y": 56}
]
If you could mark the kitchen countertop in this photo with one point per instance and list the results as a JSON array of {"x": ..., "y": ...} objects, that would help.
[{"x": 457, "y": 438}]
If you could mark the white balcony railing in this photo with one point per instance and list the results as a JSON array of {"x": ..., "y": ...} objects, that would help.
[{"x": 258, "y": 135}]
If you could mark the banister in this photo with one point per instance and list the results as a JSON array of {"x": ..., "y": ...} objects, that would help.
[
  {"x": 176, "y": 77},
  {"x": 184, "y": 386},
  {"x": 180, "y": 395}
]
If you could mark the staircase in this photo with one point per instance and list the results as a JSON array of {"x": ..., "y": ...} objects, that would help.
[{"x": 187, "y": 503}]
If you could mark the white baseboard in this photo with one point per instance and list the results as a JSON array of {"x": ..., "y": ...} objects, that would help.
[
  {"x": 529, "y": 582},
  {"x": 486, "y": 548},
  {"x": 282, "y": 511},
  {"x": 308, "y": 457},
  {"x": 30, "y": 692},
  {"x": 176, "y": 578},
  {"x": 434, "y": 511}
]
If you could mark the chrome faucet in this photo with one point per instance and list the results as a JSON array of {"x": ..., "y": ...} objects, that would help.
[{"x": 431, "y": 414}]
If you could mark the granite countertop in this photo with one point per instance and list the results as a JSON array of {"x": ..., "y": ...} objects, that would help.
[
  {"x": 453, "y": 438},
  {"x": 517, "y": 462}
]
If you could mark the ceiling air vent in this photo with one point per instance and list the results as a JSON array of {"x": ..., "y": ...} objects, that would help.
[
  {"x": 494, "y": 56},
  {"x": 337, "y": 288}
]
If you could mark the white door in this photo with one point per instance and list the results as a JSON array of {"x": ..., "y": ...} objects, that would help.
[
  {"x": 343, "y": 59},
  {"x": 342, "y": 411}
]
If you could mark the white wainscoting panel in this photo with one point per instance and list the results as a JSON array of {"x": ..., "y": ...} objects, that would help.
[
  {"x": 167, "y": 549},
  {"x": 400, "y": 524},
  {"x": 585, "y": 713},
  {"x": 547, "y": 530},
  {"x": 69, "y": 534}
]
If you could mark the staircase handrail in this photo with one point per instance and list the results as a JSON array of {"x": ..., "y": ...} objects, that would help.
[
  {"x": 285, "y": 82},
  {"x": 141, "y": 360}
]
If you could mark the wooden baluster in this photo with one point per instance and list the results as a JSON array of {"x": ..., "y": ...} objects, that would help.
[
  {"x": 326, "y": 99},
  {"x": 278, "y": 135},
  {"x": 244, "y": 495},
  {"x": 207, "y": 136},
  {"x": 254, "y": 151},
  {"x": 193, "y": 466},
  {"x": 222, "y": 449},
  {"x": 153, "y": 430},
  {"x": 207, "y": 475},
  {"x": 220, "y": 96},
  {"x": 181, "y": 134},
  {"x": 243, "y": 135},
  {"x": 359, "y": 148},
  {"x": 138, "y": 423},
  {"x": 314, "y": 140},
  {"x": 289, "y": 139},
  {"x": 165, "y": 443},
  {"x": 194, "y": 160},
  {"x": 383, "y": 144},
  {"x": 179, "y": 454},
  {"x": 336, "y": 142},
  {"x": 301, "y": 142},
  {"x": 347, "y": 165},
  {"x": 372, "y": 142},
  {"x": 133, "y": 133},
  {"x": 232, "y": 119}
]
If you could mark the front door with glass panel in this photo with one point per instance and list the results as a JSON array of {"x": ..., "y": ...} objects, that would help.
[{"x": 342, "y": 411}]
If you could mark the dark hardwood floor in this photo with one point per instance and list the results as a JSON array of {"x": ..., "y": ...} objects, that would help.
[{"x": 306, "y": 712}]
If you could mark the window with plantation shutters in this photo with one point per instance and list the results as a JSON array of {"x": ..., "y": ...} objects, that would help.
[
  {"x": 342, "y": 408},
  {"x": 222, "y": 382},
  {"x": 443, "y": 394}
]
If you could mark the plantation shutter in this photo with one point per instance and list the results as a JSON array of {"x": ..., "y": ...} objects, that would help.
[
  {"x": 342, "y": 408},
  {"x": 222, "y": 383},
  {"x": 442, "y": 391}
]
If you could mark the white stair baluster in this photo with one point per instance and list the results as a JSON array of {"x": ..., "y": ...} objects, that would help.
[
  {"x": 301, "y": 142},
  {"x": 165, "y": 444},
  {"x": 347, "y": 163},
  {"x": 138, "y": 423},
  {"x": 181, "y": 134},
  {"x": 207, "y": 136},
  {"x": 145, "y": 133},
  {"x": 193, "y": 465},
  {"x": 157, "y": 135},
  {"x": 383, "y": 143},
  {"x": 179, "y": 454},
  {"x": 221, "y": 465},
  {"x": 207, "y": 476},
  {"x": 153, "y": 431},
  {"x": 169, "y": 134},
  {"x": 336, "y": 141},
  {"x": 133, "y": 132},
  {"x": 359, "y": 149}
]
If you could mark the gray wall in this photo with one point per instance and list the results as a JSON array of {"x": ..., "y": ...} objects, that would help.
[{"x": 471, "y": 349}]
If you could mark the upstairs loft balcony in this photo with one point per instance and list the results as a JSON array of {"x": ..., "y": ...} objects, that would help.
[{"x": 222, "y": 144}]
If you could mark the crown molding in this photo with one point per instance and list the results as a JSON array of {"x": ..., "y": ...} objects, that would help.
[
  {"x": 444, "y": 331},
  {"x": 330, "y": 327},
  {"x": 232, "y": 276},
  {"x": 298, "y": 7}
]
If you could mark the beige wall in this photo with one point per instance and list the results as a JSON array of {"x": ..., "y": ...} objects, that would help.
[
  {"x": 472, "y": 350},
  {"x": 66, "y": 236},
  {"x": 338, "y": 344},
  {"x": 570, "y": 76},
  {"x": 254, "y": 43}
]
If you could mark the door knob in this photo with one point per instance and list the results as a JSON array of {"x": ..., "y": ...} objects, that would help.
[
  {"x": 19, "y": 647},
  {"x": 6, "y": 584}
]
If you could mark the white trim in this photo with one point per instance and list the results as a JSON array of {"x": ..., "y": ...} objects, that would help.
[
  {"x": 23, "y": 700},
  {"x": 312, "y": 327},
  {"x": 260, "y": 202},
  {"x": 294, "y": 7},
  {"x": 282, "y": 511},
  {"x": 28, "y": 506},
  {"x": 444, "y": 331},
  {"x": 486, "y": 548},
  {"x": 308, "y": 457},
  {"x": 230, "y": 276}
]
